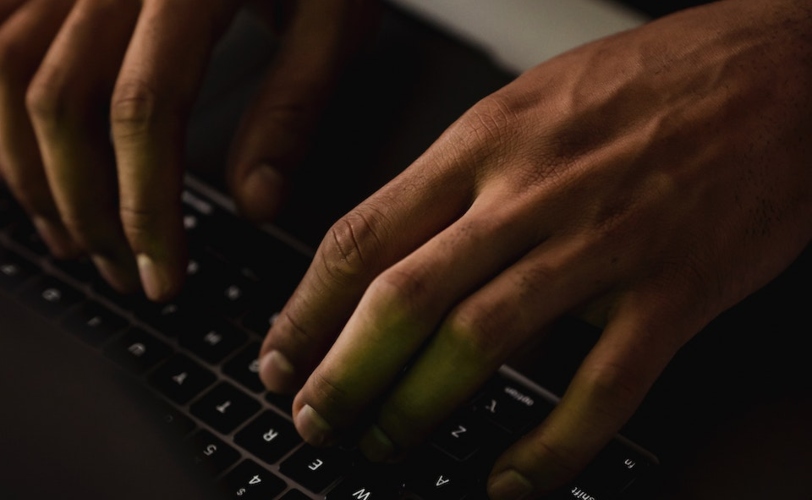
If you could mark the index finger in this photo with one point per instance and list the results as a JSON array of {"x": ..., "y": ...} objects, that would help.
[{"x": 154, "y": 91}]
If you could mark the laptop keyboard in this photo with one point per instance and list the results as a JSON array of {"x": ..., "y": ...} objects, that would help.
[{"x": 198, "y": 352}]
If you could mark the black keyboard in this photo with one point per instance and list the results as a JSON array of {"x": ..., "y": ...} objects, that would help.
[{"x": 198, "y": 352}]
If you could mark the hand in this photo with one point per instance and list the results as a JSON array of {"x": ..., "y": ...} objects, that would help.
[
  {"x": 75, "y": 74},
  {"x": 649, "y": 181}
]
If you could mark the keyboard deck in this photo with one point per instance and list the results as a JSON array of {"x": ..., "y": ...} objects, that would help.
[{"x": 198, "y": 355}]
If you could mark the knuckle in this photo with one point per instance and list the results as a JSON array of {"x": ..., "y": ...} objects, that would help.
[
  {"x": 291, "y": 332},
  {"x": 294, "y": 330},
  {"x": 491, "y": 122},
  {"x": 614, "y": 389},
  {"x": 328, "y": 392},
  {"x": 687, "y": 284},
  {"x": 535, "y": 281},
  {"x": 48, "y": 99},
  {"x": 348, "y": 250},
  {"x": 134, "y": 107},
  {"x": 400, "y": 290},
  {"x": 479, "y": 328}
]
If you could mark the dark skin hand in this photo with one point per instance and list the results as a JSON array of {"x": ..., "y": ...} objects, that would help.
[
  {"x": 647, "y": 181},
  {"x": 75, "y": 74}
]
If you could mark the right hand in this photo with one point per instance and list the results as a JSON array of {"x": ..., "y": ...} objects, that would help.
[
  {"x": 75, "y": 74},
  {"x": 647, "y": 181}
]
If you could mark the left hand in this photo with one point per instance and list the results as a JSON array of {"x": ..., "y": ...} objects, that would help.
[
  {"x": 95, "y": 96},
  {"x": 653, "y": 178}
]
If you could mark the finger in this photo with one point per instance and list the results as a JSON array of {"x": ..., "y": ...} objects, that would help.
[
  {"x": 156, "y": 87},
  {"x": 8, "y": 7},
  {"x": 274, "y": 134},
  {"x": 66, "y": 101},
  {"x": 608, "y": 387},
  {"x": 479, "y": 335},
  {"x": 396, "y": 220},
  {"x": 24, "y": 39},
  {"x": 403, "y": 307}
]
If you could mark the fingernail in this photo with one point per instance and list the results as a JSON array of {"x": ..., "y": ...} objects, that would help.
[
  {"x": 56, "y": 238},
  {"x": 155, "y": 283},
  {"x": 276, "y": 371},
  {"x": 509, "y": 485},
  {"x": 312, "y": 427},
  {"x": 376, "y": 445}
]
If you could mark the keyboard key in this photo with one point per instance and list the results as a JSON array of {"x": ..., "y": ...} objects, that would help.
[
  {"x": 181, "y": 379},
  {"x": 137, "y": 350},
  {"x": 270, "y": 437},
  {"x": 578, "y": 493},
  {"x": 217, "y": 230},
  {"x": 244, "y": 368},
  {"x": 14, "y": 270},
  {"x": 433, "y": 475},
  {"x": 94, "y": 323},
  {"x": 250, "y": 481},
  {"x": 51, "y": 296},
  {"x": 512, "y": 406},
  {"x": 612, "y": 471},
  {"x": 316, "y": 468},
  {"x": 465, "y": 434},
  {"x": 213, "y": 342},
  {"x": 204, "y": 273},
  {"x": 199, "y": 207},
  {"x": 191, "y": 222},
  {"x": 225, "y": 407},
  {"x": 233, "y": 297},
  {"x": 172, "y": 318},
  {"x": 212, "y": 453},
  {"x": 222, "y": 287},
  {"x": 368, "y": 481}
]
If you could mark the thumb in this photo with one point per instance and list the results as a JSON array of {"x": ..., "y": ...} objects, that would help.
[{"x": 273, "y": 137}]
